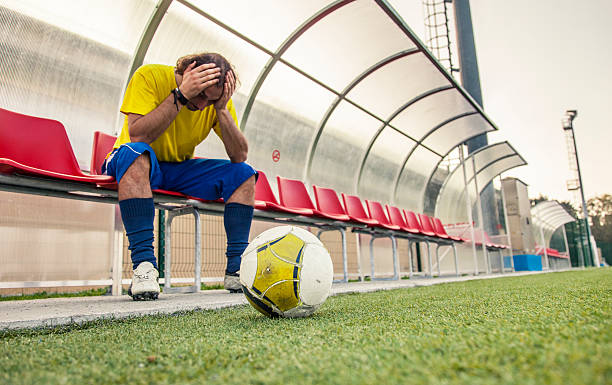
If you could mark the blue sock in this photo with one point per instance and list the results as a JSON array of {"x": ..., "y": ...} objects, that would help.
[
  {"x": 237, "y": 221},
  {"x": 138, "y": 215}
]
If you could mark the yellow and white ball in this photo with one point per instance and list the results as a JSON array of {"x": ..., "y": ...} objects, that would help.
[{"x": 286, "y": 272}]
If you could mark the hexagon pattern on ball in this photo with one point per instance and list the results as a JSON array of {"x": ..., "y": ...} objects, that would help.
[{"x": 286, "y": 272}]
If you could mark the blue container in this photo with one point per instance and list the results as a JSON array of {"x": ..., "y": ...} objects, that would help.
[{"x": 527, "y": 262}]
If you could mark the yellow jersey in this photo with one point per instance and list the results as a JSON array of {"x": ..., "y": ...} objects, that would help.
[{"x": 150, "y": 85}]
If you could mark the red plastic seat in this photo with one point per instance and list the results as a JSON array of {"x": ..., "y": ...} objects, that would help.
[
  {"x": 478, "y": 239},
  {"x": 40, "y": 147},
  {"x": 102, "y": 145},
  {"x": 354, "y": 209},
  {"x": 441, "y": 231},
  {"x": 263, "y": 192},
  {"x": 377, "y": 212},
  {"x": 293, "y": 194},
  {"x": 265, "y": 199},
  {"x": 328, "y": 203},
  {"x": 412, "y": 221},
  {"x": 438, "y": 230},
  {"x": 553, "y": 253},
  {"x": 426, "y": 225},
  {"x": 489, "y": 243},
  {"x": 396, "y": 218}
]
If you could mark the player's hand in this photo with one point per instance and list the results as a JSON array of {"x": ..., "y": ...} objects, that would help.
[
  {"x": 228, "y": 90},
  {"x": 196, "y": 80}
]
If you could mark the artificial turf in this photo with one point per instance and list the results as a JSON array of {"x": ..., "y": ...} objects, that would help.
[
  {"x": 539, "y": 329},
  {"x": 85, "y": 293},
  {"x": 45, "y": 295}
]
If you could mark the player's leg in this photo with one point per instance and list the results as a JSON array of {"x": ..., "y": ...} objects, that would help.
[
  {"x": 213, "y": 179},
  {"x": 237, "y": 219},
  {"x": 131, "y": 165}
]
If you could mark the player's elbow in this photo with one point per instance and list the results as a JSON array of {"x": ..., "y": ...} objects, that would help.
[
  {"x": 137, "y": 134},
  {"x": 138, "y": 138},
  {"x": 239, "y": 157},
  {"x": 239, "y": 153},
  {"x": 136, "y": 130}
]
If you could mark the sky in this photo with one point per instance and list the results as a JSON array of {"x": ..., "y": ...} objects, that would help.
[{"x": 538, "y": 59}]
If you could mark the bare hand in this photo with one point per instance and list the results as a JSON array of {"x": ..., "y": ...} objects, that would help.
[
  {"x": 196, "y": 80},
  {"x": 228, "y": 90}
]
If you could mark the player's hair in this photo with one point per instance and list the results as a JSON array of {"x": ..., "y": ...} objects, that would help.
[{"x": 204, "y": 58}]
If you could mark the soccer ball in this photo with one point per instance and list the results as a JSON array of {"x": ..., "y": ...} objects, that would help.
[{"x": 286, "y": 272}]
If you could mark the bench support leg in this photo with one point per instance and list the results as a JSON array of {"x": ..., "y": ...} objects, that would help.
[
  {"x": 117, "y": 257},
  {"x": 409, "y": 259},
  {"x": 456, "y": 259},
  {"x": 168, "y": 289},
  {"x": 438, "y": 259},
  {"x": 342, "y": 231},
  {"x": 452, "y": 245},
  {"x": 358, "y": 243},
  {"x": 429, "y": 272},
  {"x": 395, "y": 259}
]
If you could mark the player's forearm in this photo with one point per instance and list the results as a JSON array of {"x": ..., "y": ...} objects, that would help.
[
  {"x": 235, "y": 143},
  {"x": 147, "y": 128}
]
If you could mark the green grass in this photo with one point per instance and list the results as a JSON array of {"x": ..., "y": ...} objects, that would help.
[
  {"x": 85, "y": 293},
  {"x": 539, "y": 329},
  {"x": 44, "y": 294},
  {"x": 203, "y": 286},
  {"x": 211, "y": 287}
]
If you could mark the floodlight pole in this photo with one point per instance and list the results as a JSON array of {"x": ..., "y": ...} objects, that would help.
[{"x": 568, "y": 124}]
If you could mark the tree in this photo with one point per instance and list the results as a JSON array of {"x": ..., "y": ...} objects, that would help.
[
  {"x": 600, "y": 212},
  {"x": 540, "y": 198},
  {"x": 569, "y": 207}
]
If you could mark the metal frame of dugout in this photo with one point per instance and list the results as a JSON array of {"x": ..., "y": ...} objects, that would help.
[
  {"x": 175, "y": 206},
  {"x": 412, "y": 239}
]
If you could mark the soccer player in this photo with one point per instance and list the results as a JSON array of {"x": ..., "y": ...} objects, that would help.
[{"x": 169, "y": 111}]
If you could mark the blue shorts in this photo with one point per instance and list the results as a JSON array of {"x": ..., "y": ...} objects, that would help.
[{"x": 208, "y": 179}]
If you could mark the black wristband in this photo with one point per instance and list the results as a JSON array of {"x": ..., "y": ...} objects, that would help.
[
  {"x": 173, "y": 92},
  {"x": 181, "y": 98}
]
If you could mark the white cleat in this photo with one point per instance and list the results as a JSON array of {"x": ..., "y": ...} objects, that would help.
[
  {"x": 232, "y": 283},
  {"x": 144, "y": 286}
]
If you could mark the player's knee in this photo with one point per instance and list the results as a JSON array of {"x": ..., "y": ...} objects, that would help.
[
  {"x": 249, "y": 186},
  {"x": 144, "y": 161},
  {"x": 245, "y": 192},
  {"x": 139, "y": 169},
  {"x": 245, "y": 169},
  {"x": 241, "y": 168}
]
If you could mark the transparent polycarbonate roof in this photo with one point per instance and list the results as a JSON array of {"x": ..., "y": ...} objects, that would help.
[
  {"x": 340, "y": 94},
  {"x": 481, "y": 167},
  {"x": 348, "y": 96},
  {"x": 547, "y": 217}
]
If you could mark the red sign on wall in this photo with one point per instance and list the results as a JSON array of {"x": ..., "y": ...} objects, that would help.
[{"x": 275, "y": 155}]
